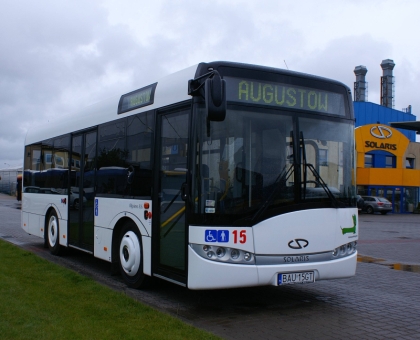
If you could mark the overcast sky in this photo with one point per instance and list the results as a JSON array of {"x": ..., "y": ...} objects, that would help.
[{"x": 57, "y": 56}]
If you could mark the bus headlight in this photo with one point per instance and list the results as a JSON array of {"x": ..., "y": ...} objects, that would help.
[
  {"x": 247, "y": 256},
  {"x": 223, "y": 254},
  {"x": 234, "y": 254},
  {"x": 220, "y": 252},
  {"x": 344, "y": 250}
]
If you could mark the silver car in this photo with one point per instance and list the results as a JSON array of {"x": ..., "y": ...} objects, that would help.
[{"x": 374, "y": 204}]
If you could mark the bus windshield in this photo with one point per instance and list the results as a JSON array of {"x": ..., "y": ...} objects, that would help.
[{"x": 259, "y": 163}]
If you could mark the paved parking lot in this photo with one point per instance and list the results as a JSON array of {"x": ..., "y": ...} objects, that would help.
[{"x": 378, "y": 303}]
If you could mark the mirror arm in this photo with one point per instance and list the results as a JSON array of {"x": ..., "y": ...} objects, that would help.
[
  {"x": 195, "y": 85},
  {"x": 214, "y": 95}
]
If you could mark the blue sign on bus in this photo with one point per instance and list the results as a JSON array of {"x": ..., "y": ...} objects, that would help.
[
  {"x": 216, "y": 236},
  {"x": 96, "y": 207}
]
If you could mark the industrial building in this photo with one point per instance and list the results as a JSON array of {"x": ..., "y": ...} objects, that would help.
[{"x": 388, "y": 157}]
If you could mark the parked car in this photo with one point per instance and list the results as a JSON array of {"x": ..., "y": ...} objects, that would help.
[
  {"x": 360, "y": 202},
  {"x": 374, "y": 204},
  {"x": 74, "y": 199}
]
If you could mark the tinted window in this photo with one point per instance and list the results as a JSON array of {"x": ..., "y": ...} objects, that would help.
[
  {"x": 46, "y": 166},
  {"x": 60, "y": 162},
  {"x": 112, "y": 170},
  {"x": 32, "y": 165},
  {"x": 46, "y": 155},
  {"x": 113, "y": 130},
  {"x": 124, "y": 157},
  {"x": 111, "y": 147},
  {"x": 139, "y": 151}
]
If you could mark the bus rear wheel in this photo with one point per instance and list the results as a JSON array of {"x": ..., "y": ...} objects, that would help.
[
  {"x": 52, "y": 236},
  {"x": 131, "y": 257}
]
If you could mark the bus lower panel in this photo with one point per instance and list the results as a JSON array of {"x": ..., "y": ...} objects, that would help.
[{"x": 205, "y": 274}]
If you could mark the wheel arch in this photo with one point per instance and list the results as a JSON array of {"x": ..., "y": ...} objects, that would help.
[
  {"x": 50, "y": 207},
  {"x": 143, "y": 278}
]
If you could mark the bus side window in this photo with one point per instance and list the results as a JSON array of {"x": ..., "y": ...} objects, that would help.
[
  {"x": 32, "y": 165},
  {"x": 139, "y": 153}
]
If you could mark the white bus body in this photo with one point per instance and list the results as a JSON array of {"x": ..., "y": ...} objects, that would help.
[{"x": 263, "y": 196}]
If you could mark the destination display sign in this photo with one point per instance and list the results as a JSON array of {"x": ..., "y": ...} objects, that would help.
[
  {"x": 284, "y": 96},
  {"x": 139, "y": 98}
]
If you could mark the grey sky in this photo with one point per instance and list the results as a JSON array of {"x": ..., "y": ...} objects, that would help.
[{"x": 59, "y": 56}]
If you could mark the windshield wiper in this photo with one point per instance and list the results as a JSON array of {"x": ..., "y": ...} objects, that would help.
[
  {"x": 336, "y": 203},
  {"x": 280, "y": 182}
]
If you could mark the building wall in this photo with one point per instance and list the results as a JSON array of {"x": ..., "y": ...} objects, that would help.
[
  {"x": 370, "y": 113},
  {"x": 396, "y": 180},
  {"x": 413, "y": 151}
]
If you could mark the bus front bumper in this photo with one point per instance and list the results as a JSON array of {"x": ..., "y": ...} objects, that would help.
[{"x": 207, "y": 274}]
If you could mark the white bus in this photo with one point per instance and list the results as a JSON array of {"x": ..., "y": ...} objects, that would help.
[{"x": 222, "y": 175}]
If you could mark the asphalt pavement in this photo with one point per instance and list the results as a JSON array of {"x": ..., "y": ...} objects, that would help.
[{"x": 381, "y": 302}]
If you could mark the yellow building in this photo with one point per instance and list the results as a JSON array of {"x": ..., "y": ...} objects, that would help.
[{"x": 388, "y": 165}]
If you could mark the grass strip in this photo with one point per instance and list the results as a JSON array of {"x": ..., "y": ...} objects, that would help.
[{"x": 41, "y": 300}]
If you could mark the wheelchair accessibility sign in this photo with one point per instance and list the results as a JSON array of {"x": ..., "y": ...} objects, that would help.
[{"x": 216, "y": 236}]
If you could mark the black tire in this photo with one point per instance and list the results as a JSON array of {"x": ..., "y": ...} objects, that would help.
[
  {"x": 130, "y": 257},
  {"x": 369, "y": 210},
  {"x": 52, "y": 233},
  {"x": 76, "y": 204},
  {"x": 384, "y": 212}
]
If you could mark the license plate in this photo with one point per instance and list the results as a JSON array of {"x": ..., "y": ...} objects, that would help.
[{"x": 291, "y": 278}]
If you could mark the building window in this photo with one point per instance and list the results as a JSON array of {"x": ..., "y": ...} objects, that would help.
[
  {"x": 389, "y": 162},
  {"x": 409, "y": 163},
  {"x": 368, "y": 161},
  {"x": 323, "y": 157}
]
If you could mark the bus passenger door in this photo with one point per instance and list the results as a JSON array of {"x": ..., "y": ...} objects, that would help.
[
  {"x": 169, "y": 214},
  {"x": 82, "y": 191}
]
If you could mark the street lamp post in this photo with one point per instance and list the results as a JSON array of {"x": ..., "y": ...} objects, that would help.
[{"x": 5, "y": 183}]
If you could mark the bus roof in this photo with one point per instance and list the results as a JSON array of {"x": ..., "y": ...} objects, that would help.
[
  {"x": 203, "y": 68},
  {"x": 169, "y": 90}
]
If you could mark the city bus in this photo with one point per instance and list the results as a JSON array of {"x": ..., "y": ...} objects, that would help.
[{"x": 222, "y": 175}]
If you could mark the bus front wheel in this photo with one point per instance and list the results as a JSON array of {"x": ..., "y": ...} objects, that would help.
[
  {"x": 52, "y": 236},
  {"x": 131, "y": 257}
]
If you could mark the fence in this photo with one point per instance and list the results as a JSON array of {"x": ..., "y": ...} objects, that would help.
[{"x": 8, "y": 180}]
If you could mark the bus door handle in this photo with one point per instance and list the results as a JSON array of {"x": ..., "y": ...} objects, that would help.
[{"x": 184, "y": 191}]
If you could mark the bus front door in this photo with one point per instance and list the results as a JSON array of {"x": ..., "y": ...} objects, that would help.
[
  {"x": 169, "y": 215},
  {"x": 82, "y": 193}
]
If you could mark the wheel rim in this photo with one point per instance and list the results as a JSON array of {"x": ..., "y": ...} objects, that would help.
[
  {"x": 130, "y": 253},
  {"x": 52, "y": 231}
]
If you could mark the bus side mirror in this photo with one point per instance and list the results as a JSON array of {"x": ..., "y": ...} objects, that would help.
[{"x": 215, "y": 97}]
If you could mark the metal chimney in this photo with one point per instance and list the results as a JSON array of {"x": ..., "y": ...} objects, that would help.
[
  {"x": 360, "y": 85},
  {"x": 387, "y": 83}
]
